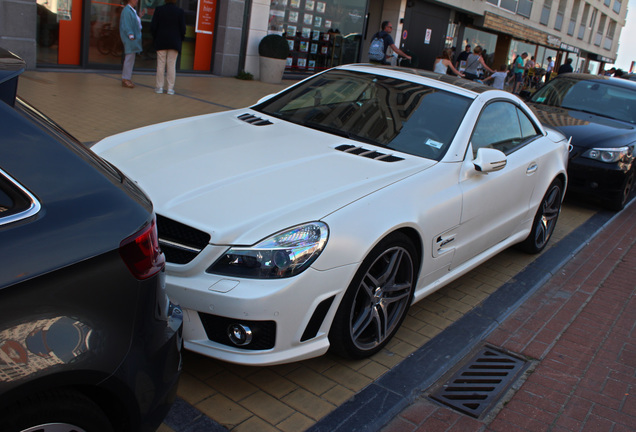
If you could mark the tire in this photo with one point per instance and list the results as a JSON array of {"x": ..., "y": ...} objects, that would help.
[
  {"x": 56, "y": 411},
  {"x": 545, "y": 219},
  {"x": 619, "y": 202},
  {"x": 377, "y": 300}
]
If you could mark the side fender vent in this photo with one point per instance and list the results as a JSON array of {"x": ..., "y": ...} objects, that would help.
[
  {"x": 371, "y": 154},
  {"x": 252, "y": 119}
]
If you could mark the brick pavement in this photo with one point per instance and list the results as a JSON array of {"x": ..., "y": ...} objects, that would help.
[{"x": 580, "y": 331}]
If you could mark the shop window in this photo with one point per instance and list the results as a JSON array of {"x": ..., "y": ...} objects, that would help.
[{"x": 320, "y": 34}]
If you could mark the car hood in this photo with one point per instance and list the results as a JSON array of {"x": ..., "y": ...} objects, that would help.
[
  {"x": 240, "y": 181},
  {"x": 587, "y": 130}
]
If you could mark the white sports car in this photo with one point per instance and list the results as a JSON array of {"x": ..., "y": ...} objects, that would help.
[{"x": 316, "y": 217}]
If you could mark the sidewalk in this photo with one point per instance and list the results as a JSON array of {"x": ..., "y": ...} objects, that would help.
[{"x": 580, "y": 331}]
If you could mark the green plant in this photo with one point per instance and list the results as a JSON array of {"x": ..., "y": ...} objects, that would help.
[
  {"x": 273, "y": 46},
  {"x": 242, "y": 75}
]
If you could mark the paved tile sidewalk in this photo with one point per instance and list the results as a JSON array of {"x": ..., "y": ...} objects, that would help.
[{"x": 580, "y": 328}]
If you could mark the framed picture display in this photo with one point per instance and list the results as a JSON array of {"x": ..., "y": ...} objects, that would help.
[
  {"x": 309, "y": 5},
  {"x": 320, "y": 7},
  {"x": 308, "y": 19},
  {"x": 293, "y": 16}
]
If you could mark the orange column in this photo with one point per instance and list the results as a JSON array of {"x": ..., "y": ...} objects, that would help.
[
  {"x": 203, "y": 51},
  {"x": 70, "y": 37}
]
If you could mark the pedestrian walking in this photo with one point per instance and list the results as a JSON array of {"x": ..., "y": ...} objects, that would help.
[
  {"x": 566, "y": 67},
  {"x": 380, "y": 42},
  {"x": 473, "y": 62},
  {"x": 444, "y": 62},
  {"x": 518, "y": 70},
  {"x": 130, "y": 33},
  {"x": 168, "y": 30},
  {"x": 462, "y": 58}
]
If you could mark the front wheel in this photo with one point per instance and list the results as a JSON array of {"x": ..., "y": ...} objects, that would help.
[
  {"x": 377, "y": 299},
  {"x": 545, "y": 220}
]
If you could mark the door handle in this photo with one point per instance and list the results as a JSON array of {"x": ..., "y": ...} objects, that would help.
[{"x": 532, "y": 168}]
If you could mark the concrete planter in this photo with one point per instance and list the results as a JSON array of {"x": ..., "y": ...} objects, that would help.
[{"x": 271, "y": 70}]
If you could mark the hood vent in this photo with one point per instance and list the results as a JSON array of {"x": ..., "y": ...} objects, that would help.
[
  {"x": 371, "y": 154},
  {"x": 252, "y": 119}
]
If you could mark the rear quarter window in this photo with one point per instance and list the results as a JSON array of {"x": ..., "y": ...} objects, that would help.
[{"x": 16, "y": 202}]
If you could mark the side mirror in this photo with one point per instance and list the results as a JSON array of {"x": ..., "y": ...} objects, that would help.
[{"x": 489, "y": 160}]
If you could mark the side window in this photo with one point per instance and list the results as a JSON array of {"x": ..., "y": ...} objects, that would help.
[
  {"x": 498, "y": 127},
  {"x": 528, "y": 129}
]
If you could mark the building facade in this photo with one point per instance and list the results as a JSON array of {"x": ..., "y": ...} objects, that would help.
[{"x": 223, "y": 35}]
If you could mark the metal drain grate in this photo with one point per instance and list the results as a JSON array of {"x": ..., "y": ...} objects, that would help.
[{"x": 477, "y": 386}]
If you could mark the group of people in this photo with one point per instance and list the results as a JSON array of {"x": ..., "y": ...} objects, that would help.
[{"x": 168, "y": 31}]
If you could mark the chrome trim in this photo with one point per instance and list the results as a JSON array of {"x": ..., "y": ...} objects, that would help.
[
  {"x": 33, "y": 209},
  {"x": 179, "y": 246}
]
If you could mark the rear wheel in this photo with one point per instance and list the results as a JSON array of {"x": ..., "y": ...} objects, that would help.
[
  {"x": 56, "y": 411},
  {"x": 377, "y": 299},
  {"x": 545, "y": 220}
]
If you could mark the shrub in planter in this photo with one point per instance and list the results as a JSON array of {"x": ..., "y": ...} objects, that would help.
[
  {"x": 274, "y": 46},
  {"x": 273, "y": 50}
]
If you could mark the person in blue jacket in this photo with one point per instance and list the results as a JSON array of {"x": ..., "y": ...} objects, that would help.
[
  {"x": 130, "y": 33},
  {"x": 168, "y": 30}
]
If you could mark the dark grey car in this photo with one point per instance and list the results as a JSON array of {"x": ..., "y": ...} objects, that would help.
[{"x": 89, "y": 341}]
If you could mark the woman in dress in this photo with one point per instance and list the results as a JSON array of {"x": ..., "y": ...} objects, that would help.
[{"x": 444, "y": 62}]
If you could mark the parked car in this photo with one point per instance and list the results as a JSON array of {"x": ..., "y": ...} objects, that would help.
[
  {"x": 89, "y": 340},
  {"x": 316, "y": 217},
  {"x": 599, "y": 114}
]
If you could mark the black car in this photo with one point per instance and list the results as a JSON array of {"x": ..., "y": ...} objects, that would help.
[
  {"x": 89, "y": 341},
  {"x": 599, "y": 114}
]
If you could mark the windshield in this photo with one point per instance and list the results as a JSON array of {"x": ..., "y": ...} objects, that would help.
[
  {"x": 388, "y": 112},
  {"x": 595, "y": 97}
]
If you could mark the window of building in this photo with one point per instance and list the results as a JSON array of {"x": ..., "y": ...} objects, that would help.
[
  {"x": 601, "y": 29},
  {"x": 560, "y": 16},
  {"x": 586, "y": 13},
  {"x": 608, "y": 2},
  {"x": 524, "y": 8},
  {"x": 609, "y": 37},
  {"x": 545, "y": 12},
  {"x": 617, "y": 6},
  {"x": 573, "y": 16}
]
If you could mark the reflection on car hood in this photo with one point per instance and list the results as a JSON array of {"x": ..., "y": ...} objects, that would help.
[
  {"x": 586, "y": 130},
  {"x": 241, "y": 182}
]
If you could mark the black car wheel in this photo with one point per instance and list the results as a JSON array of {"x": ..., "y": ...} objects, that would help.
[
  {"x": 619, "y": 202},
  {"x": 377, "y": 299},
  {"x": 545, "y": 219},
  {"x": 57, "y": 411}
]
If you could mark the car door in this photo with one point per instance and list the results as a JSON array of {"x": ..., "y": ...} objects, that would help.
[{"x": 496, "y": 204}]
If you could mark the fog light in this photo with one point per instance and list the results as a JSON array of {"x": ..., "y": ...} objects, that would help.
[{"x": 239, "y": 334}]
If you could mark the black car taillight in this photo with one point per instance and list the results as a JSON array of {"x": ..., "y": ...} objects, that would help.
[{"x": 141, "y": 252}]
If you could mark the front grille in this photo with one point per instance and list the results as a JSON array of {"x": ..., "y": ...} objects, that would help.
[
  {"x": 216, "y": 329},
  {"x": 179, "y": 242},
  {"x": 481, "y": 382}
]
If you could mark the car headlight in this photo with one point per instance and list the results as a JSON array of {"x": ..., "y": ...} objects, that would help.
[
  {"x": 282, "y": 255},
  {"x": 608, "y": 155}
]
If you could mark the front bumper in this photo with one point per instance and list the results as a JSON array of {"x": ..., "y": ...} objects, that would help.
[
  {"x": 599, "y": 179},
  {"x": 293, "y": 314}
]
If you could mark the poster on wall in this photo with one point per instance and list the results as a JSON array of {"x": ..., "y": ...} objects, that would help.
[
  {"x": 64, "y": 12},
  {"x": 206, "y": 9}
]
